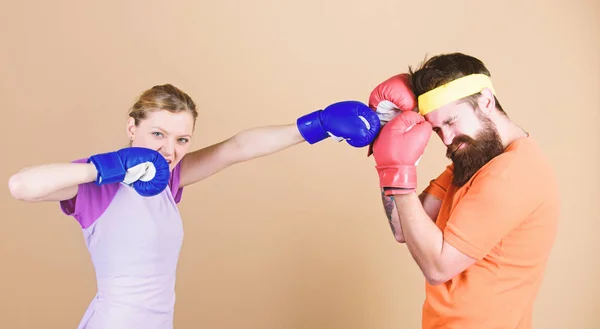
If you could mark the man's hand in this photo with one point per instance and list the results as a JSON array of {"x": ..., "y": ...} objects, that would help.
[
  {"x": 397, "y": 151},
  {"x": 390, "y": 98}
]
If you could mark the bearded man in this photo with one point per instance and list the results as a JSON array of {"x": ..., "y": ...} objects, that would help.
[{"x": 482, "y": 231}]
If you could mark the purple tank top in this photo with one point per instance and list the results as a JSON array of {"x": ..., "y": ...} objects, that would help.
[{"x": 134, "y": 244}]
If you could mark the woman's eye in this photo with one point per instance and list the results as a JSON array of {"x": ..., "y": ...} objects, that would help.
[
  {"x": 157, "y": 134},
  {"x": 183, "y": 140}
]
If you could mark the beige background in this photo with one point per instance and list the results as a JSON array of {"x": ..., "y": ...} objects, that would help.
[{"x": 297, "y": 240}]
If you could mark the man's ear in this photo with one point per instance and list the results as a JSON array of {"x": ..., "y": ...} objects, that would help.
[
  {"x": 131, "y": 128},
  {"x": 486, "y": 101}
]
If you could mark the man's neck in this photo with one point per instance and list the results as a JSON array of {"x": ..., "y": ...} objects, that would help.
[{"x": 508, "y": 130}]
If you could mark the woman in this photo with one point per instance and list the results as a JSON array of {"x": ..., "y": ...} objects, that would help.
[{"x": 126, "y": 201}]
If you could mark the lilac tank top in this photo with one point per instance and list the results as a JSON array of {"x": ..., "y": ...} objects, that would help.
[{"x": 134, "y": 244}]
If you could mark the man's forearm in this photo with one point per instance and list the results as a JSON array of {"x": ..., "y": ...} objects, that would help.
[
  {"x": 431, "y": 205},
  {"x": 423, "y": 238},
  {"x": 391, "y": 212}
]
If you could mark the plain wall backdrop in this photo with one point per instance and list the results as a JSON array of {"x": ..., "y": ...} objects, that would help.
[{"x": 299, "y": 239}]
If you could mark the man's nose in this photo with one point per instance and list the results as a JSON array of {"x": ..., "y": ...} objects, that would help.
[{"x": 447, "y": 137}]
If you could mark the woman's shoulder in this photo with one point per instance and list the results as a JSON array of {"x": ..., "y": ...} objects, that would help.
[{"x": 90, "y": 201}]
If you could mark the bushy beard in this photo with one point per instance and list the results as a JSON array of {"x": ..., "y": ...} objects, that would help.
[{"x": 475, "y": 153}]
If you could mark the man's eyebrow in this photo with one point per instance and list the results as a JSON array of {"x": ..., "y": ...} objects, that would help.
[{"x": 445, "y": 122}]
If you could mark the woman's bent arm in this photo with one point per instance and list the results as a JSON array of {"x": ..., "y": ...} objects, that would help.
[{"x": 50, "y": 182}]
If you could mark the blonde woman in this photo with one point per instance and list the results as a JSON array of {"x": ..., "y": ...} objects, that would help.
[{"x": 126, "y": 201}]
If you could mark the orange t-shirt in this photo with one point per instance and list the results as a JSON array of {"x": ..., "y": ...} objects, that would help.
[{"x": 506, "y": 217}]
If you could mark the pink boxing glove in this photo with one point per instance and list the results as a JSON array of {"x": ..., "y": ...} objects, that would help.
[
  {"x": 390, "y": 98},
  {"x": 398, "y": 149}
]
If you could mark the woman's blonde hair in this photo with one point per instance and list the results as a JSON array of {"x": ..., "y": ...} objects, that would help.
[{"x": 162, "y": 97}]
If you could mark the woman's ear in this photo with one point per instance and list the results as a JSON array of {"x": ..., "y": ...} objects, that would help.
[{"x": 131, "y": 128}]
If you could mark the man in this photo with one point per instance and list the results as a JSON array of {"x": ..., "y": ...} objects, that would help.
[{"x": 481, "y": 232}]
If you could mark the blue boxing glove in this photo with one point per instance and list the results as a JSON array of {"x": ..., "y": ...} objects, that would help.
[
  {"x": 145, "y": 169},
  {"x": 352, "y": 121}
]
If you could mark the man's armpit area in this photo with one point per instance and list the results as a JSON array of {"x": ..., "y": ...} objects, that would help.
[
  {"x": 460, "y": 242},
  {"x": 435, "y": 191},
  {"x": 431, "y": 204}
]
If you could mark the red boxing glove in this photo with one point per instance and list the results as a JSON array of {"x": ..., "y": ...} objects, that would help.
[
  {"x": 390, "y": 98},
  {"x": 397, "y": 151}
]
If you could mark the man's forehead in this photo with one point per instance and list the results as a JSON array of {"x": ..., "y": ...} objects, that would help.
[
  {"x": 438, "y": 116},
  {"x": 442, "y": 114}
]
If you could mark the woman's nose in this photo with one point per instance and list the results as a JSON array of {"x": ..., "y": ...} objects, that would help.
[{"x": 168, "y": 147}]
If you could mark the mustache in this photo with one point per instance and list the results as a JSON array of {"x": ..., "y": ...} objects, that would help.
[{"x": 452, "y": 148}]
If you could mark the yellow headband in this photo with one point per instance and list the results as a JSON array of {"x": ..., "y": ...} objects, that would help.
[{"x": 452, "y": 91}]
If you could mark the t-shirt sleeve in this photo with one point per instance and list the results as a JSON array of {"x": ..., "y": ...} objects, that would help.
[
  {"x": 176, "y": 189},
  {"x": 439, "y": 186},
  {"x": 493, "y": 206},
  {"x": 90, "y": 202}
]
